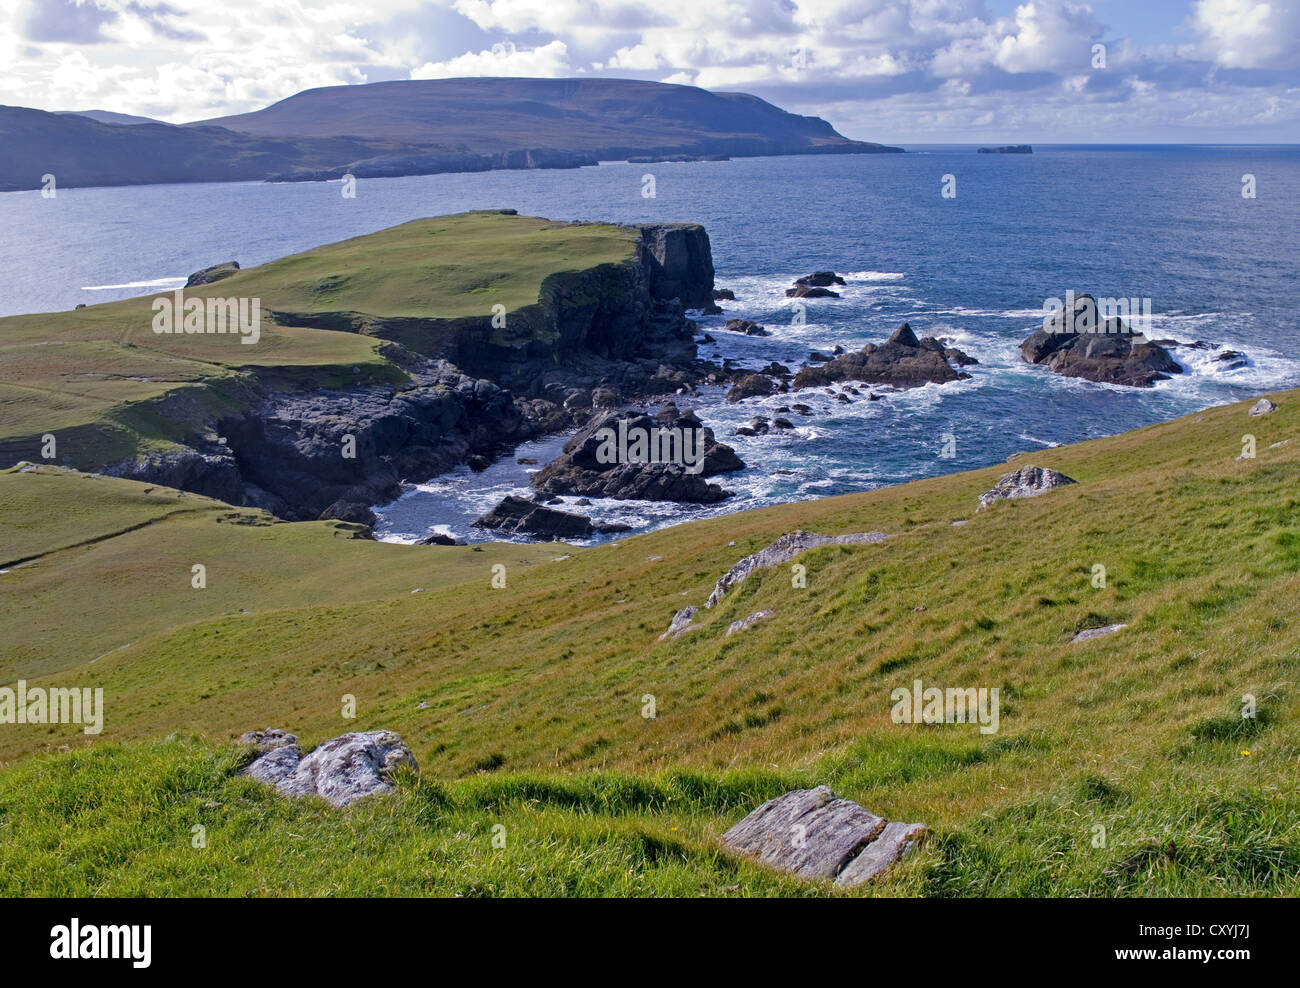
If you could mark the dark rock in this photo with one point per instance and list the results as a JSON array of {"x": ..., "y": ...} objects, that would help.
[
  {"x": 782, "y": 424},
  {"x": 804, "y": 291},
  {"x": 206, "y": 276},
  {"x": 440, "y": 538},
  {"x": 902, "y": 361},
  {"x": 1078, "y": 343},
  {"x": 820, "y": 279},
  {"x": 751, "y": 386},
  {"x": 745, "y": 326},
  {"x": 724, "y": 295},
  {"x": 678, "y": 454},
  {"x": 516, "y": 516},
  {"x": 776, "y": 370}
]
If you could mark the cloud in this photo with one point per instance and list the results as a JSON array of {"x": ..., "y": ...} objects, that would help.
[
  {"x": 502, "y": 59},
  {"x": 1245, "y": 34}
]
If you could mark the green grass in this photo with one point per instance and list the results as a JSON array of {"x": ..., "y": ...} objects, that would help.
[{"x": 534, "y": 693}]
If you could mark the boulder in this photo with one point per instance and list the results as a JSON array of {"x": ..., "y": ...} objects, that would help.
[
  {"x": 723, "y": 295},
  {"x": 517, "y": 516},
  {"x": 746, "y": 326},
  {"x": 820, "y": 279},
  {"x": 1262, "y": 407},
  {"x": 815, "y": 835},
  {"x": 349, "y": 768},
  {"x": 782, "y": 551},
  {"x": 751, "y": 386},
  {"x": 1028, "y": 481},
  {"x": 585, "y": 468},
  {"x": 1078, "y": 343},
  {"x": 902, "y": 361},
  {"x": 278, "y": 754}
]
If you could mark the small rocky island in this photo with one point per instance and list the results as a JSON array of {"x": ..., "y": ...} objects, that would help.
[
  {"x": 1077, "y": 342},
  {"x": 903, "y": 361}
]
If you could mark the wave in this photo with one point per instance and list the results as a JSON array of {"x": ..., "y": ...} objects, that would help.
[{"x": 155, "y": 283}]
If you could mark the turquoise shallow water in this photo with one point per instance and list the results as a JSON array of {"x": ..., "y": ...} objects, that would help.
[{"x": 1168, "y": 224}]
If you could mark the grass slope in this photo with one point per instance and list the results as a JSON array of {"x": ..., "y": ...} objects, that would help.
[{"x": 535, "y": 692}]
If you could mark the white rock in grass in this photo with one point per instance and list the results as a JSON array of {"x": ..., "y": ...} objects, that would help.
[{"x": 1091, "y": 633}]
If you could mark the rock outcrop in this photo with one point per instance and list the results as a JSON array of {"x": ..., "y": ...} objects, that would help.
[
  {"x": 517, "y": 516},
  {"x": 782, "y": 551},
  {"x": 1262, "y": 407},
  {"x": 340, "y": 771},
  {"x": 206, "y": 276},
  {"x": 815, "y": 835},
  {"x": 816, "y": 285},
  {"x": 903, "y": 361},
  {"x": 631, "y": 456},
  {"x": 1076, "y": 342},
  {"x": 1029, "y": 481}
]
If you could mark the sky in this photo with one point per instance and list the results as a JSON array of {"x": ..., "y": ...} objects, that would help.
[{"x": 897, "y": 71}]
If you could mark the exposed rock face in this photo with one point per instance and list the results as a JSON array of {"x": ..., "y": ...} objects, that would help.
[
  {"x": 902, "y": 361},
  {"x": 782, "y": 551},
  {"x": 680, "y": 262},
  {"x": 206, "y": 276},
  {"x": 1262, "y": 407},
  {"x": 1028, "y": 481},
  {"x": 593, "y": 337},
  {"x": 813, "y": 834},
  {"x": 810, "y": 291},
  {"x": 341, "y": 770},
  {"x": 815, "y": 285},
  {"x": 515, "y": 516},
  {"x": 604, "y": 459},
  {"x": 1079, "y": 343}
]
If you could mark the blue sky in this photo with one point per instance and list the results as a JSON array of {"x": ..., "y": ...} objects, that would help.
[{"x": 900, "y": 71}]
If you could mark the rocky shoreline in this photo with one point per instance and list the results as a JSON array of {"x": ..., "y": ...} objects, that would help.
[{"x": 595, "y": 339}]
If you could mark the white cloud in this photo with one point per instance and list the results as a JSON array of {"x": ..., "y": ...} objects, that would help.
[
  {"x": 504, "y": 59},
  {"x": 1247, "y": 34}
]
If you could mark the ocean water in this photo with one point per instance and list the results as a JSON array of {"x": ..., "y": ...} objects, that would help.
[{"x": 1165, "y": 223}]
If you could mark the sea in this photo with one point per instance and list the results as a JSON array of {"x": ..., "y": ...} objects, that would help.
[{"x": 975, "y": 266}]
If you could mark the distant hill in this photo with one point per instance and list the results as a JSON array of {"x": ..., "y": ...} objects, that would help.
[
  {"x": 410, "y": 128},
  {"x": 109, "y": 117},
  {"x": 608, "y": 118}
]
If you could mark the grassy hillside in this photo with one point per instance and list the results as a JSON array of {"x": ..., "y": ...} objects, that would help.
[
  {"x": 105, "y": 385},
  {"x": 534, "y": 693}
]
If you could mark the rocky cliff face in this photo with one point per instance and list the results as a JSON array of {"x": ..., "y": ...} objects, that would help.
[{"x": 594, "y": 337}]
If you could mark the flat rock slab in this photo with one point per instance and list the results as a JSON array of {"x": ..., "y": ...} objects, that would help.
[
  {"x": 1091, "y": 633},
  {"x": 881, "y": 854},
  {"x": 809, "y": 832}
]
